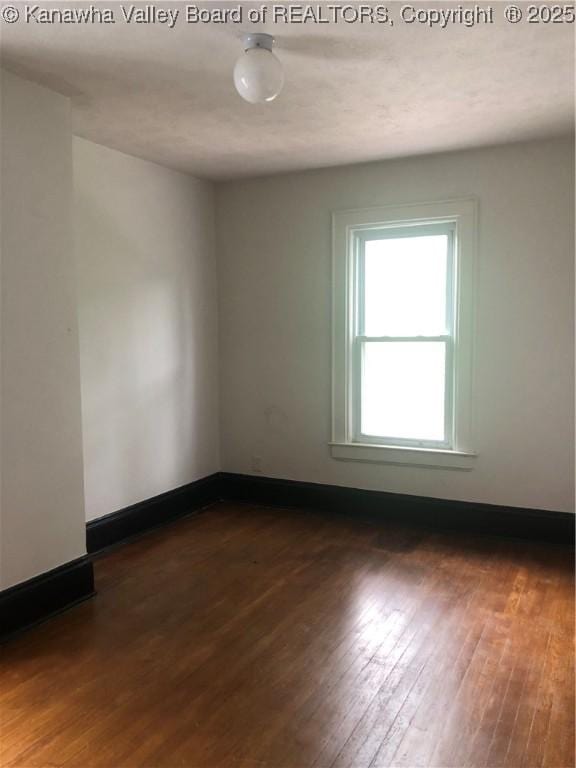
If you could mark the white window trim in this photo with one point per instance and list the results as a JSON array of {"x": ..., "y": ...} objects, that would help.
[{"x": 346, "y": 225}]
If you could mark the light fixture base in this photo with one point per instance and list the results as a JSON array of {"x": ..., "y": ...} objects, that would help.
[{"x": 257, "y": 40}]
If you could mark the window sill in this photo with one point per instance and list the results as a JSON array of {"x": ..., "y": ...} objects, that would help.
[{"x": 418, "y": 457}]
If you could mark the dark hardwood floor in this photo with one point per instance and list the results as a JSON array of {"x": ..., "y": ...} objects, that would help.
[{"x": 263, "y": 638}]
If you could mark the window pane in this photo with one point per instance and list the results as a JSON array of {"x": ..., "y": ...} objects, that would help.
[
  {"x": 405, "y": 286},
  {"x": 403, "y": 389}
]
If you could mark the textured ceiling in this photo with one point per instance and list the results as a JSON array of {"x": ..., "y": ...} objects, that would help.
[{"x": 353, "y": 92}]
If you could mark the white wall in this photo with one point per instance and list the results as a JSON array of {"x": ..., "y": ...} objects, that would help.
[
  {"x": 144, "y": 239},
  {"x": 42, "y": 502},
  {"x": 274, "y": 247}
]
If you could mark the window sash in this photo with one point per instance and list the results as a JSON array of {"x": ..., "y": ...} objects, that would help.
[
  {"x": 361, "y": 437},
  {"x": 359, "y": 339},
  {"x": 394, "y": 232}
]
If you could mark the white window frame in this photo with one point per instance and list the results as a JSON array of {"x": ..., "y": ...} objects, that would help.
[{"x": 351, "y": 229}]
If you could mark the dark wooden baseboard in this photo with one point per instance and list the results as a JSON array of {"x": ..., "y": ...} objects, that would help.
[
  {"x": 131, "y": 521},
  {"x": 438, "y": 514},
  {"x": 35, "y": 600},
  {"x": 50, "y": 593},
  {"x": 39, "y": 598}
]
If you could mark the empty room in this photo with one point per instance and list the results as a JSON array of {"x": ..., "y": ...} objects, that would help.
[{"x": 287, "y": 385}]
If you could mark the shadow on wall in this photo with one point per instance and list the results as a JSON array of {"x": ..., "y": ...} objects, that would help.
[{"x": 141, "y": 365}]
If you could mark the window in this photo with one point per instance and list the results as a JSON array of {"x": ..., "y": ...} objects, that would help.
[{"x": 402, "y": 334}]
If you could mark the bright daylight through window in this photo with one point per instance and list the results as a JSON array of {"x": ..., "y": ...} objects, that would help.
[{"x": 402, "y": 336}]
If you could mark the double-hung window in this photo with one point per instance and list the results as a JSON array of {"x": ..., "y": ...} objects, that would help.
[{"x": 402, "y": 352}]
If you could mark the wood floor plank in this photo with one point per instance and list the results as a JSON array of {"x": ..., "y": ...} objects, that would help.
[{"x": 249, "y": 637}]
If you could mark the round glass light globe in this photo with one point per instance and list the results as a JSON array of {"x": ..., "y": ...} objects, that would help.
[{"x": 258, "y": 75}]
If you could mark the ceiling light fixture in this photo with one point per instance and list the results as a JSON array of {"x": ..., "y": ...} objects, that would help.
[{"x": 258, "y": 74}]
